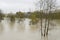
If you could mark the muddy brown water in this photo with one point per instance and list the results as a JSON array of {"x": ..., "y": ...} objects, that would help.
[{"x": 24, "y": 31}]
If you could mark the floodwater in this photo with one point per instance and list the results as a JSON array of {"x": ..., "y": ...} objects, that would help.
[{"x": 24, "y": 31}]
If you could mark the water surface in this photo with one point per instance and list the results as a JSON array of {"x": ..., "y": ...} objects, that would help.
[{"x": 24, "y": 31}]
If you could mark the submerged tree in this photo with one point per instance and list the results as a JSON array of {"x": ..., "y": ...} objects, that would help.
[
  {"x": 48, "y": 6},
  {"x": 1, "y": 15},
  {"x": 11, "y": 17},
  {"x": 20, "y": 16},
  {"x": 34, "y": 17}
]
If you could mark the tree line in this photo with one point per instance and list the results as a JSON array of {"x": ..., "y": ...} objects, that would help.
[{"x": 32, "y": 15}]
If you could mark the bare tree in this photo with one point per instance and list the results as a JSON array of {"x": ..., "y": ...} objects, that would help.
[{"x": 47, "y": 6}]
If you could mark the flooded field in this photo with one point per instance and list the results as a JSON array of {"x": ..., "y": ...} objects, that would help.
[{"x": 24, "y": 31}]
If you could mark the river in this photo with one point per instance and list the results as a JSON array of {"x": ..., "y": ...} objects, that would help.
[{"x": 24, "y": 31}]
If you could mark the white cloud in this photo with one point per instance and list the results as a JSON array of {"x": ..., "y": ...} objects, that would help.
[{"x": 16, "y": 5}]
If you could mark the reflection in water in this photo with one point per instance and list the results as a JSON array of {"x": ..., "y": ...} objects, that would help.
[
  {"x": 27, "y": 26},
  {"x": 11, "y": 24},
  {"x": 24, "y": 31},
  {"x": 1, "y": 27},
  {"x": 5, "y": 24}
]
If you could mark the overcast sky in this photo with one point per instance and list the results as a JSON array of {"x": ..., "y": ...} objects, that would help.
[{"x": 18, "y": 5}]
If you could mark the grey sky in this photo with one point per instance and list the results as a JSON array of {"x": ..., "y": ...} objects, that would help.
[{"x": 18, "y": 5}]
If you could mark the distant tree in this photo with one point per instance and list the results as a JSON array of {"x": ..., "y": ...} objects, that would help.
[
  {"x": 11, "y": 17},
  {"x": 19, "y": 14},
  {"x": 1, "y": 15},
  {"x": 34, "y": 16}
]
